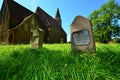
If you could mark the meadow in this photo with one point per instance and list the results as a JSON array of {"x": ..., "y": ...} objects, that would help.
[{"x": 57, "y": 62}]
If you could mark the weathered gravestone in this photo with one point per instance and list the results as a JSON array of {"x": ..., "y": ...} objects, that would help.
[
  {"x": 82, "y": 35},
  {"x": 37, "y": 38}
]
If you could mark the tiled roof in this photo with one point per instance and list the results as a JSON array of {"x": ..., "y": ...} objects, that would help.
[
  {"x": 17, "y": 11},
  {"x": 47, "y": 19}
]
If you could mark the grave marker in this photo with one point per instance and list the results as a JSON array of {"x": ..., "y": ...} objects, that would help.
[
  {"x": 37, "y": 38},
  {"x": 82, "y": 35}
]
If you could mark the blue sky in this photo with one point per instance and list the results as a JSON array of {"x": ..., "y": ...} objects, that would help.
[{"x": 68, "y": 9}]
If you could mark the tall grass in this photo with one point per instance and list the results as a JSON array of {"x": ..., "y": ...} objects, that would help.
[{"x": 57, "y": 62}]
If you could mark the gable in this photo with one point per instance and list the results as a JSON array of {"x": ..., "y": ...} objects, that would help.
[
  {"x": 18, "y": 11},
  {"x": 48, "y": 20}
]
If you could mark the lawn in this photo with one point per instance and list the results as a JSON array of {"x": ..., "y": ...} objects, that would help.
[{"x": 57, "y": 62}]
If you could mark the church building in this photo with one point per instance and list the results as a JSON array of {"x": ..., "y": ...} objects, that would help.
[{"x": 17, "y": 22}]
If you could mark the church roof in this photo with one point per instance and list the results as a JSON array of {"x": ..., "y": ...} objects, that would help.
[
  {"x": 0, "y": 15},
  {"x": 47, "y": 19},
  {"x": 18, "y": 11}
]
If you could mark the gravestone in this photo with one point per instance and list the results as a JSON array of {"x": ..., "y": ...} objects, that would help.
[
  {"x": 82, "y": 35},
  {"x": 37, "y": 38}
]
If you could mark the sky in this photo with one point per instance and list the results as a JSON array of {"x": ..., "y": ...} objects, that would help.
[{"x": 69, "y": 9}]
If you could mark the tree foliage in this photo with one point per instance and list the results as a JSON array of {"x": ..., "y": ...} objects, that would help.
[{"x": 105, "y": 21}]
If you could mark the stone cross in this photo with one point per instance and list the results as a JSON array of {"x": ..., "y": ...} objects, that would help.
[
  {"x": 82, "y": 35},
  {"x": 37, "y": 38}
]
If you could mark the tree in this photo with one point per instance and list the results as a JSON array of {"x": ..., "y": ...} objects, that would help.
[{"x": 105, "y": 21}]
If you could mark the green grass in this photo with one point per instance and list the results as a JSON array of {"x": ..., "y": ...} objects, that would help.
[{"x": 57, "y": 62}]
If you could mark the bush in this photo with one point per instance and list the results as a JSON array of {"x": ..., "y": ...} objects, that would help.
[{"x": 116, "y": 40}]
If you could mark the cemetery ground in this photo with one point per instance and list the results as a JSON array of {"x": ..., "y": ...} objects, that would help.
[{"x": 57, "y": 62}]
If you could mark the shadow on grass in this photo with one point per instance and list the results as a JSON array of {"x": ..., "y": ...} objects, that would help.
[
  {"x": 45, "y": 64},
  {"x": 106, "y": 54},
  {"x": 110, "y": 60},
  {"x": 20, "y": 63}
]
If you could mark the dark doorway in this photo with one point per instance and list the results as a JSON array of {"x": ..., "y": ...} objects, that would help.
[{"x": 11, "y": 39}]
